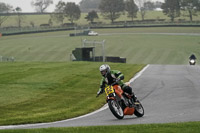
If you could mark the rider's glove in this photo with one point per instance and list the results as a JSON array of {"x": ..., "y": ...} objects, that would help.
[{"x": 99, "y": 92}]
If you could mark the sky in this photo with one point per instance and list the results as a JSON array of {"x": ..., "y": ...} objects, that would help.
[{"x": 25, "y": 5}]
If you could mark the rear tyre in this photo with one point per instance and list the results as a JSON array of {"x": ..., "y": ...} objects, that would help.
[
  {"x": 139, "y": 110},
  {"x": 116, "y": 109}
]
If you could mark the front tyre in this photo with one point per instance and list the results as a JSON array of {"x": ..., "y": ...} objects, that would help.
[
  {"x": 139, "y": 110},
  {"x": 116, "y": 109}
]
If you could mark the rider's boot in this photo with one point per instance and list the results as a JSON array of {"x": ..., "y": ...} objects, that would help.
[{"x": 135, "y": 100}]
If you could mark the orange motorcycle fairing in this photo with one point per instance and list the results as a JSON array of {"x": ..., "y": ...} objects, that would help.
[
  {"x": 129, "y": 111},
  {"x": 118, "y": 90}
]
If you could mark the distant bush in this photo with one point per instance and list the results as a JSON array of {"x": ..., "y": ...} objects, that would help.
[
  {"x": 68, "y": 24},
  {"x": 45, "y": 25}
]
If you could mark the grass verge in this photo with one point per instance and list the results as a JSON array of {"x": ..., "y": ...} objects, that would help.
[
  {"x": 188, "y": 127},
  {"x": 45, "y": 92}
]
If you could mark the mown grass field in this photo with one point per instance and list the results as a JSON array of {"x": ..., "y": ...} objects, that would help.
[{"x": 138, "y": 45}]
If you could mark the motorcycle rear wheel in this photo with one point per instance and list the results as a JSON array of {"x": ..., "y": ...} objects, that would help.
[{"x": 116, "y": 109}]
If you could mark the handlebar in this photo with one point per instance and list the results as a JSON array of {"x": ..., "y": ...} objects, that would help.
[{"x": 114, "y": 83}]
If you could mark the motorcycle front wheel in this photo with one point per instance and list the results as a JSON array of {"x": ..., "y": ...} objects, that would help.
[
  {"x": 139, "y": 110},
  {"x": 116, "y": 109}
]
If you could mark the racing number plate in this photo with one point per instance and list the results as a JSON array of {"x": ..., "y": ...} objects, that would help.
[{"x": 109, "y": 90}]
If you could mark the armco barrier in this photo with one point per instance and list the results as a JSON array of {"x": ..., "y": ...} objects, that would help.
[{"x": 98, "y": 27}]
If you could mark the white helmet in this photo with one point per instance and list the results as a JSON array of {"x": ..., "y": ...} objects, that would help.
[{"x": 104, "y": 69}]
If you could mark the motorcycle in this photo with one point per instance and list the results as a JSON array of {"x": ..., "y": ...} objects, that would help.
[
  {"x": 192, "y": 61},
  {"x": 120, "y": 103}
]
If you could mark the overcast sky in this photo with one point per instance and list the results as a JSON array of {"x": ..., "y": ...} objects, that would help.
[{"x": 25, "y": 5}]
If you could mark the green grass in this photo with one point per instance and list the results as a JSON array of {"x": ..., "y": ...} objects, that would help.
[
  {"x": 138, "y": 47},
  {"x": 45, "y": 92},
  {"x": 189, "y": 127}
]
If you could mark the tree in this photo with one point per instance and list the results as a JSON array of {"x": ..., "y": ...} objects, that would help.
[
  {"x": 32, "y": 23},
  {"x": 41, "y": 5},
  {"x": 131, "y": 8},
  {"x": 4, "y": 10},
  {"x": 58, "y": 14},
  {"x": 89, "y": 5},
  {"x": 171, "y": 8},
  {"x": 142, "y": 9},
  {"x": 91, "y": 16},
  {"x": 149, "y": 5},
  {"x": 19, "y": 16},
  {"x": 111, "y": 9},
  {"x": 50, "y": 22},
  {"x": 72, "y": 11},
  {"x": 192, "y": 6},
  {"x": 158, "y": 4}
]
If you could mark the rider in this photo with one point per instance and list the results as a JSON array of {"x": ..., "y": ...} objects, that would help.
[
  {"x": 110, "y": 76},
  {"x": 192, "y": 57}
]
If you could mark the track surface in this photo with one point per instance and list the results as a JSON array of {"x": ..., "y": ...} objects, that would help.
[{"x": 169, "y": 93}]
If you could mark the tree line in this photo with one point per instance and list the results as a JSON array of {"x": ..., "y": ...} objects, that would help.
[{"x": 109, "y": 9}]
